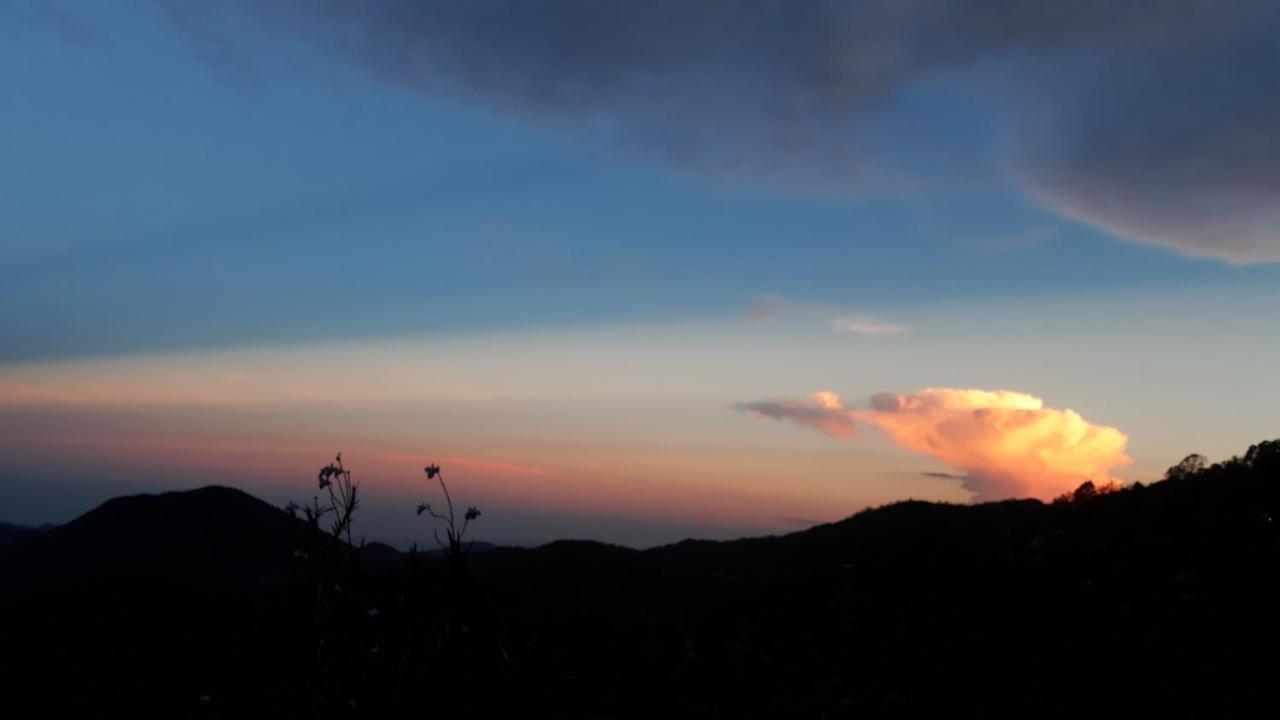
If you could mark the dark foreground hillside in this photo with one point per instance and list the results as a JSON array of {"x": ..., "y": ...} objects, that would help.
[{"x": 1160, "y": 599}]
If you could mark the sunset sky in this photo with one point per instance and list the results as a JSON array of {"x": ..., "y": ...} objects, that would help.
[{"x": 632, "y": 271}]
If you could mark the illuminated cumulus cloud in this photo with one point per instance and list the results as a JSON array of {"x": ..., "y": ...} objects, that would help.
[
  {"x": 1007, "y": 444},
  {"x": 823, "y": 411},
  {"x": 1004, "y": 444}
]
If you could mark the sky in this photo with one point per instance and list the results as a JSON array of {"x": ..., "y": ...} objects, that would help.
[{"x": 632, "y": 271}]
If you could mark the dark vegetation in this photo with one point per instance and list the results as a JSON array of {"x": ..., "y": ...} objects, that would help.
[{"x": 1156, "y": 600}]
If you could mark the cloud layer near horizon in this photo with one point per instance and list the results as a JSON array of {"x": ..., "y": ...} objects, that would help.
[
  {"x": 1006, "y": 444},
  {"x": 1156, "y": 122}
]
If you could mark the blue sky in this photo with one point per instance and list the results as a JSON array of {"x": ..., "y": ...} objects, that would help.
[
  {"x": 178, "y": 182},
  {"x": 138, "y": 170}
]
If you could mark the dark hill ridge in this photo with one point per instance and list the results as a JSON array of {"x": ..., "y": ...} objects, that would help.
[
  {"x": 222, "y": 534},
  {"x": 211, "y": 534},
  {"x": 219, "y": 531},
  {"x": 225, "y": 535},
  {"x": 12, "y": 532},
  {"x": 1152, "y": 600}
]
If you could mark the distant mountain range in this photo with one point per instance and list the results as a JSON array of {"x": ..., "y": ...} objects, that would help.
[
  {"x": 1154, "y": 599},
  {"x": 12, "y": 532}
]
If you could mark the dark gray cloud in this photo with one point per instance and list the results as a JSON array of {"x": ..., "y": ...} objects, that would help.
[
  {"x": 1172, "y": 138},
  {"x": 1155, "y": 121}
]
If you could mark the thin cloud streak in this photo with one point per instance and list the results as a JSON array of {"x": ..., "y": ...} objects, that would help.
[
  {"x": 867, "y": 326},
  {"x": 843, "y": 320}
]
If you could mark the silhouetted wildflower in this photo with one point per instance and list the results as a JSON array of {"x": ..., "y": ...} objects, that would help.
[
  {"x": 343, "y": 497},
  {"x": 331, "y": 472},
  {"x": 453, "y": 549}
]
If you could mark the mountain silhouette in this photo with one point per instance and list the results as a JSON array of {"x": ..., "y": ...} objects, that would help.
[
  {"x": 216, "y": 532},
  {"x": 1155, "y": 599},
  {"x": 12, "y": 532}
]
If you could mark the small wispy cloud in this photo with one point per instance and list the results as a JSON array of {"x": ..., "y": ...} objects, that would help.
[
  {"x": 866, "y": 326},
  {"x": 1013, "y": 242},
  {"x": 763, "y": 307},
  {"x": 822, "y": 411},
  {"x": 843, "y": 319}
]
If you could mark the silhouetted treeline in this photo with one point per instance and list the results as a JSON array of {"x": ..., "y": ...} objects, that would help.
[{"x": 1157, "y": 599}]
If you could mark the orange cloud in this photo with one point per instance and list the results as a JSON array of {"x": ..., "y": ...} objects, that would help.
[
  {"x": 823, "y": 411},
  {"x": 1006, "y": 444}
]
